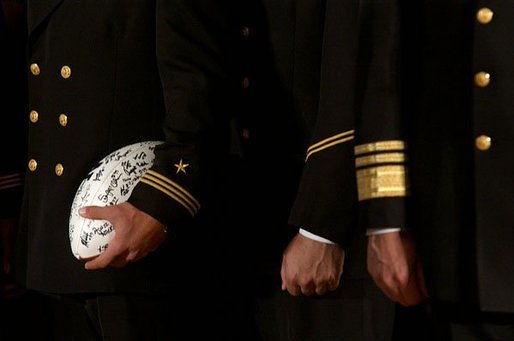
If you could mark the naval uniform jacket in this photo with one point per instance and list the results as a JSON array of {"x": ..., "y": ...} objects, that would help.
[
  {"x": 462, "y": 140},
  {"x": 216, "y": 84},
  {"x": 93, "y": 88}
]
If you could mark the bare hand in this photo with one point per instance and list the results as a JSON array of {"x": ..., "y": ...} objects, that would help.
[
  {"x": 310, "y": 266},
  {"x": 137, "y": 234},
  {"x": 395, "y": 268}
]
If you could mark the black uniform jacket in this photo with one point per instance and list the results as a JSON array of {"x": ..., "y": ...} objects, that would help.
[
  {"x": 221, "y": 93},
  {"x": 462, "y": 135},
  {"x": 93, "y": 88}
]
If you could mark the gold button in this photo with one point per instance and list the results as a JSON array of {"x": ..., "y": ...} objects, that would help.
[
  {"x": 59, "y": 169},
  {"x": 66, "y": 72},
  {"x": 485, "y": 15},
  {"x": 34, "y": 69},
  {"x": 32, "y": 165},
  {"x": 482, "y": 79},
  {"x": 63, "y": 120},
  {"x": 245, "y": 134},
  {"x": 34, "y": 116},
  {"x": 483, "y": 142},
  {"x": 245, "y": 82},
  {"x": 245, "y": 31}
]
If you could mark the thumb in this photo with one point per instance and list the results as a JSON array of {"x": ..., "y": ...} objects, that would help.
[{"x": 94, "y": 212}]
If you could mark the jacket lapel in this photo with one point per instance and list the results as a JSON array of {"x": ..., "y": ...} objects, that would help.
[{"x": 38, "y": 10}]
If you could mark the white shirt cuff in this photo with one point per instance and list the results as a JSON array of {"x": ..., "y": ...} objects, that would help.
[
  {"x": 382, "y": 230},
  {"x": 314, "y": 237}
]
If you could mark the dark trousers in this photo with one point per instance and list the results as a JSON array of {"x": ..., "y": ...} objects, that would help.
[
  {"x": 357, "y": 311},
  {"x": 442, "y": 321},
  {"x": 462, "y": 323},
  {"x": 139, "y": 318},
  {"x": 25, "y": 315},
  {"x": 109, "y": 318}
]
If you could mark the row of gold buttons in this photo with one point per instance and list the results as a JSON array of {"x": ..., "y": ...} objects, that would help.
[
  {"x": 34, "y": 117},
  {"x": 482, "y": 78},
  {"x": 59, "y": 168},
  {"x": 484, "y": 16},
  {"x": 65, "y": 70}
]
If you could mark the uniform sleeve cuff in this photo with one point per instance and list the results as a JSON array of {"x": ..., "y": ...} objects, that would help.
[
  {"x": 382, "y": 230},
  {"x": 314, "y": 237}
]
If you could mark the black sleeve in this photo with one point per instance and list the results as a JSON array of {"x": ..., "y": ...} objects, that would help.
[
  {"x": 380, "y": 151},
  {"x": 193, "y": 37},
  {"x": 326, "y": 203}
]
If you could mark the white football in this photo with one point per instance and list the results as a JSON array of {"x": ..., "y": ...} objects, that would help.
[{"x": 110, "y": 182}]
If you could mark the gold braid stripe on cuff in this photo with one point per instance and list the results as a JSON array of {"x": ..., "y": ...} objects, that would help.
[
  {"x": 171, "y": 189},
  {"x": 329, "y": 142},
  {"x": 381, "y": 146},
  {"x": 381, "y": 182},
  {"x": 374, "y": 159}
]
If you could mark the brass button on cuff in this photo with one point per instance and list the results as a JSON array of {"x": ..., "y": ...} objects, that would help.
[
  {"x": 484, "y": 15},
  {"x": 59, "y": 169},
  {"x": 483, "y": 142},
  {"x": 66, "y": 72},
  {"x": 34, "y": 116},
  {"x": 34, "y": 69},
  {"x": 482, "y": 79},
  {"x": 32, "y": 165}
]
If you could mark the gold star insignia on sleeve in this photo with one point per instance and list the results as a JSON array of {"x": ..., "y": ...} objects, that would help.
[{"x": 181, "y": 166}]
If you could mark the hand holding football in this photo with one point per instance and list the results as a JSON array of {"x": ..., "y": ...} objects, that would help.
[{"x": 109, "y": 183}]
